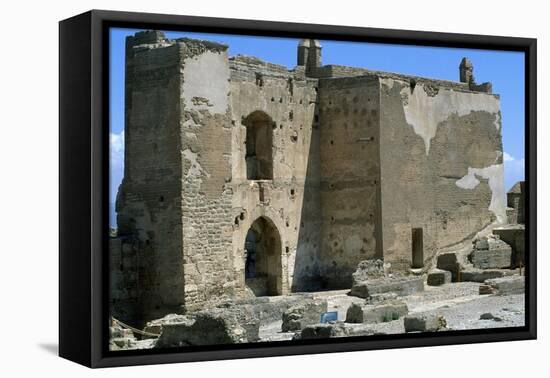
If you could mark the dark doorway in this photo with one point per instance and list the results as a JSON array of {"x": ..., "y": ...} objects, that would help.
[
  {"x": 263, "y": 272},
  {"x": 417, "y": 248},
  {"x": 259, "y": 146}
]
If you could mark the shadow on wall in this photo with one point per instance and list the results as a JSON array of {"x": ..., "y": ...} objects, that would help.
[{"x": 306, "y": 272}]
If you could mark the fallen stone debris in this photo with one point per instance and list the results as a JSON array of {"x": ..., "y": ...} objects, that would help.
[
  {"x": 330, "y": 330},
  {"x": 504, "y": 286},
  {"x": 425, "y": 323},
  {"x": 480, "y": 275},
  {"x": 298, "y": 317},
  {"x": 401, "y": 286},
  {"x": 489, "y": 316},
  {"x": 438, "y": 277},
  {"x": 205, "y": 329},
  {"x": 379, "y": 313},
  {"x": 491, "y": 253},
  {"x": 120, "y": 338}
]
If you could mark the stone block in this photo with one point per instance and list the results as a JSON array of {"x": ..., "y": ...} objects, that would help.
[
  {"x": 486, "y": 289},
  {"x": 298, "y": 317},
  {"x": 360, "y": 290},
  {"x": 505, "y": 285},
  {"x": 376, "y": 313},
  {"x": 368, "y": 270},
  {"x": 449, "y": 262},
  {"x": 482, "y": 243},
  {"x": 402, "y": 286},
  {"x": 323, "y": 331},
  {"x": 330, "y": 330},
  {"x": 515, "y": 237},
  {"x": 207, "y": 328},
  {"x": 489, "y": 316},
  {"x": 478, "y": 275},
  {"x": 380, "y": 298},
  {"x": 424, "y": 323},
  {"x": 439, "y": 277},
  {"x": 499, "y": 255},
  {"x": 491, "y": 259}
]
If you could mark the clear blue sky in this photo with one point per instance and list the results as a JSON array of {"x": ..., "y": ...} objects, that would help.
[{"x": 504, "y": 69}]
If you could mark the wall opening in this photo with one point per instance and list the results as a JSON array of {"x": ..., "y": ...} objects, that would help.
[
  {"x": 417, "y": 248},
  {"x": 259, "y": 146},
  {"x": 263, "y": 270}
]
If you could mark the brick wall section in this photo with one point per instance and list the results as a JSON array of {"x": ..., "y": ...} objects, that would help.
[
  {"x": 206, "y": 170},
  {"x": 350, "y": 176},
  {"x": 124, "y": 280},
  {"x": 291, "y": 198},
  {"x": 149, "y": 203}
]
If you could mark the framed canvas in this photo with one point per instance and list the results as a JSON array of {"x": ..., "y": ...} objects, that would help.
[{"x": 235, "y": 188}]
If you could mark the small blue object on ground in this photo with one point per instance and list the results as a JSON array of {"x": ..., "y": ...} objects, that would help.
[{"x": 327, "y": 317}]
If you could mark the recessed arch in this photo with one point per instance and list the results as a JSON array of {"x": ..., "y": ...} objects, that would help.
[
  {"x": 263, "y": 258},
  {"x": 259, "y": 146}
]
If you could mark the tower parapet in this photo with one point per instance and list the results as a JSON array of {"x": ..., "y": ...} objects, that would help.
[{"x": 466, "y": 70}]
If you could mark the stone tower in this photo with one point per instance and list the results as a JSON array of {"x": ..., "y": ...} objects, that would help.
[
  {"x": 309, "y": 55},
  {"x": 466, "y": 69}
]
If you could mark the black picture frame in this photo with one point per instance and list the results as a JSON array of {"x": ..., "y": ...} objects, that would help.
[{"x": 83, "y": 180}]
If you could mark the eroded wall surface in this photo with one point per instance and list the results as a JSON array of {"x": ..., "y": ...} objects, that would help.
[
  {"x": 350, "y": 176},
  {"x": 175, "y": 200},
  {"x": 290, "y": 200},
  {"x": 205, "y": 133},
  {"x": 149, "y": 202},
  {"x": 441, "y": 165}
]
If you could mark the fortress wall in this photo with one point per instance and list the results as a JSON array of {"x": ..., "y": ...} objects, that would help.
[
  {"x": 149, "y": 199},
  {"x": 355, "y": 163},
  {"x": 205, "y": 133},
  {"x": 350, "y": 176},
  {"x": 124, "y": 281},
  {"x": 175, "y": 201},
  {"x": 290, "y": 200},
  {"x": 441, "y": 166}
]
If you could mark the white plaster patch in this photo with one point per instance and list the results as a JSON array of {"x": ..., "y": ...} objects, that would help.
[
  {"x": 195, "y": 170},
  {"x": 495, "y": 175},
  {"x": 424, "y": 112},
  {"x": 206, "y": 76}
]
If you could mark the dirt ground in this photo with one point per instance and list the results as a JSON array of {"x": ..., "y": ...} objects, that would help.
[{"x": 459, "y": 303}]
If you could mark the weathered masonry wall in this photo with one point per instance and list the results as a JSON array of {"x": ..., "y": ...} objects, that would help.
[
  {"x": 326, "y": 166},
  {"x": 149, "y": 203},
  {"x": 289, "y": 200},
  {"x": 441, "y": 165},
  {"x": 205, "y": 133},
  {"x": 175, "y": 199},
  {"x": 350, "y": 176},
  {"x": 124, "y": 280}
]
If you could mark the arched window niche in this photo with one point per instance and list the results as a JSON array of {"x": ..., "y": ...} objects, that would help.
[{"x": 259, "y": 146}]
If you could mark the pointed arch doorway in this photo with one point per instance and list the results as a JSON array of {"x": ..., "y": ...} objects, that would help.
[{"x": 263, "y": 254}]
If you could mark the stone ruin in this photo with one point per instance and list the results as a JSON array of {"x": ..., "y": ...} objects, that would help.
[{"x": 245, "y": 180}]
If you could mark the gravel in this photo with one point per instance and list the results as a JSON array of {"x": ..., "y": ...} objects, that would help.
[{"x": 459, "y": 303}]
